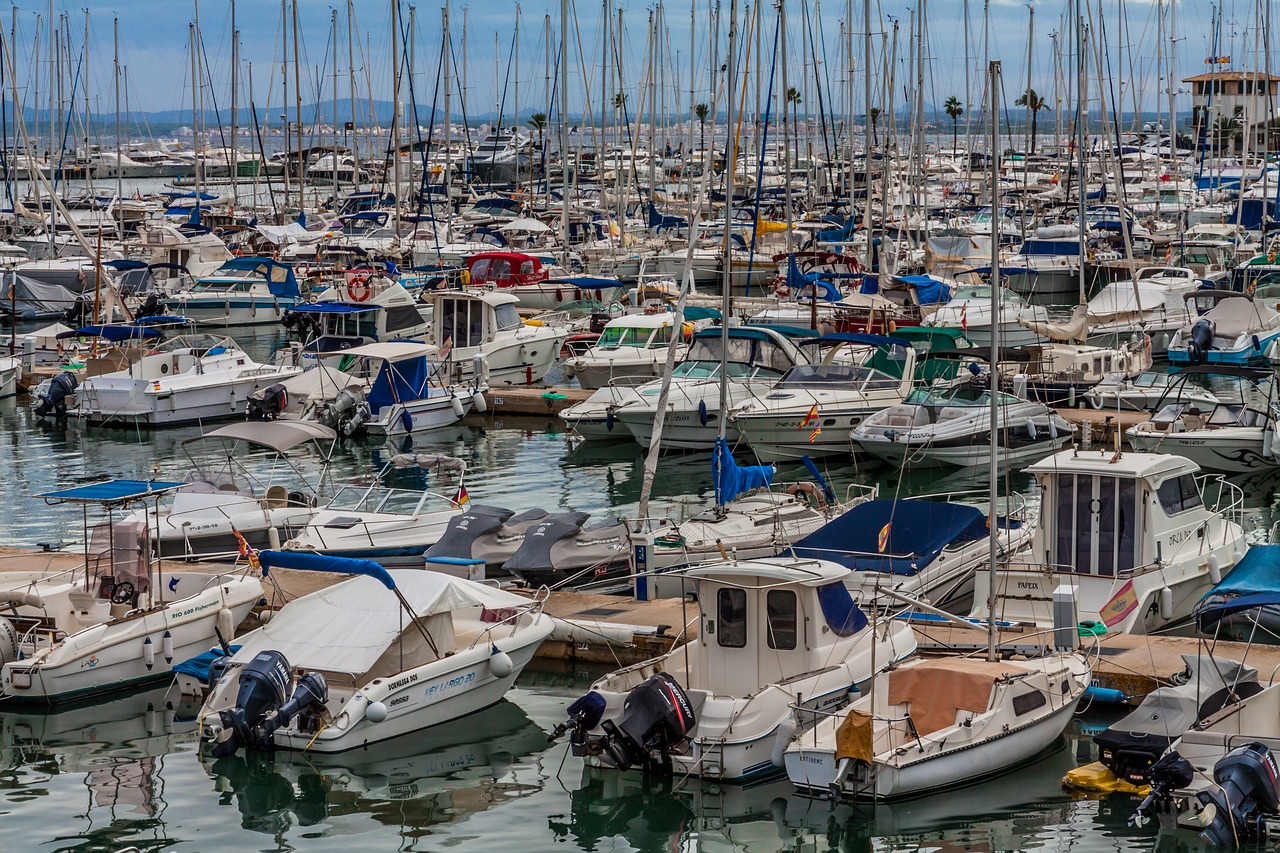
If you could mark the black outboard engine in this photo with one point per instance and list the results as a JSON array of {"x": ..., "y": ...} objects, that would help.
[
  {"x": 263, "y": 703},
  {"x": 53, "y": 399},
  {"x": 1201, "y": 340},
  {"x": 657, "y": 717},
  {"x": 302, "y": 326},
  {"x": 1245, "y": 795},
  {"x": 77, "y": 311},
  {"x": 150, "y": 307},
  {"x": 267, "y": 404},
  {"x": 584, "y": 715},
  {"x": 1168, "y": 774}
]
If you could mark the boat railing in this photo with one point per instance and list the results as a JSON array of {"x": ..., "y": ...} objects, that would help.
[
  {"x": 1221, "y": 496},
  {"x": 512, "y": 618}
]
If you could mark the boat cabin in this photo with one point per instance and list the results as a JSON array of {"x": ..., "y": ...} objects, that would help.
[
  {"x": 466, "y": 318},
  {"x": 506, "y": 269}
]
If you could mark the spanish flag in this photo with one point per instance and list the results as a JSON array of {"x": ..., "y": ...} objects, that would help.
[
  {"x": 882, "y": 541},
  {"x": 1124, "y": 602},
  {"x": 246, "y": 550},
  {"x": 462, "y": 498},
  {"x": 811, "y": 417}
]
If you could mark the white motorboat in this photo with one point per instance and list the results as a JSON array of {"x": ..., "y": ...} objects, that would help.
[
  {"x": 116, "y": 621},
  {"x": 755, "y": 359},
  {"x": 481, "y": 332},
  {"x": 241, "y": 292},
  {"x": 595, "y": 418},
  {"x": 186, "y": 379},
  {"x": 631, "y": 348},
  {"x": 354, "y": 664},
  {"x": 408, "y": 390},
  {"x": 970, "y": 311},
  {"x": 1046, "y": 268},
  {"x": 10, "y": 372},
  {"x": 249, "y": 498},
  {"x": 390, "y": 526},
  {"x": 951, "y": 425},
  {"x": 1147, "y": 393},
  {"x": 1152, "y": 303},
  {"x": 932, "y": 725},
  {"x": 778, "y": 641},
  {"x": 1237, "y": 330},
  {"x": 1231, "y": 437},
  {"x": 1140, "y": 536},
  {"x": 811, "y": 409},
  {"x": 364, "y": 308}
]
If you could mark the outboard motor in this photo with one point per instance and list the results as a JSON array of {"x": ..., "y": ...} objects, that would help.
[
  {"x": 1245, "y": 795},
  {"x": 657, "y": 717},
  {"x": 1201, "y": 340},
  {"x": 78, "y": 310},
  {"x": 267, "y": 404},
  {"x": 1168, "y": 774},
  {"x": 150, "y": 307},
  {"x": 263, "y": 704},
  {"x": 51, "y": 396},
  {"x": 348, "y": 412},
  {"x": 584, "y": 715}
]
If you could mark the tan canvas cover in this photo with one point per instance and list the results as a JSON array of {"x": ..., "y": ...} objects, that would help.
[
  {"x": 1075, "y": 329},
  {"x": 854, "y": 737},
  {"x": 934, "y": 690}
]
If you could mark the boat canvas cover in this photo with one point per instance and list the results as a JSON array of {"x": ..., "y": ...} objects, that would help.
[
  {"x": 732, "y": 479},
  {"x": 918, "y": 531},
  {"x": 1256, "y": 572},
  {"x": 1241, "y": 316},
  {"x": 347, "y": 627},
  {"x": 321, "y": 382},
  {"x": 1119, "y": 301},
  {"x": 1170, "y": 711}
]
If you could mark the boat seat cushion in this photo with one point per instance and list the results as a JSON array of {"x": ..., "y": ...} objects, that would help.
[
  {"x": 936, "y": 691},
  {"x": 906, "y": 416},
  {"x": 950, "y": 413}
]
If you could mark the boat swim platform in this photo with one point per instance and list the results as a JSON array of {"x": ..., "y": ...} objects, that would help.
[
  {"x": 529, "y": 400},
  {"x": 615, "y": 630},
  {"x": 1103, "y": 424}
]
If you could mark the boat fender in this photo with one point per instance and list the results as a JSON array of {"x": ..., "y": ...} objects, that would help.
[
  {"x": 456, "y": 403},
  {"x": 9, "y": 650},
  {"x": 609, "y": 420},
  {"x": 480, "y": 369},
  {"x": 702, "y": 412},
  {"x": 1257, "y": 344},
  {"x": 1031, "y": 429},
  {"x": 479, "y": 403},
  {"x": 1215, "y": 569},
  {"x": 166, "y": 648},
  {"x": 1093, "y": 398},
  {"x": 500, "y": 663},
  {"x": 786, "y": 731},
  {"x": 273, "y": 538},
  {"x": 151, "y": 720},
  {"x": 148, "y": 653},
  {"x": 375, "y": 712},
  {"x": 407, "y": 420},
  {"x": 225, "y": 622},
  {"x": 1053, "y": 429},
  {"x": 1166, "y": 603}
]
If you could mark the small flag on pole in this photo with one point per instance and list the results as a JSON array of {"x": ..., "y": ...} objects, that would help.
[
  {"x": 817, "y": 431},
  {"x": 246, "y": 550},
  {"x": 964, "y": 316},
  {"x": 446, "y": 347},
  {"x": 462, "y": 498},
  {"x": 882, "y": 541},
  {"x": 811, "y": 417}
]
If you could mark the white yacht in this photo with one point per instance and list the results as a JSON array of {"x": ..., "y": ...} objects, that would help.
[
  {"x": 632, "y": 347},
  {"x": 970, "y": 311},
  {"x": 241, "y": 292},
  {"x": 481, "y": 332}
]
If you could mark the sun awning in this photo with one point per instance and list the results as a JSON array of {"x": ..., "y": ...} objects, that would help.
[
  {"x": 386, "y": 350},
  {"x": 111, "y": 492},
  {"x": 279, "y": 436}
]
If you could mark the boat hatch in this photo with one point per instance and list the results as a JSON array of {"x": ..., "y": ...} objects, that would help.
[{"x": 1097, "y": 523}]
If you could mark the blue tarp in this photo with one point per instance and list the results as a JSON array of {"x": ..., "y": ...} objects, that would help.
[
  {"x": 1051, "y": 247},
  {"x": 587, "y": 282},
  {"x": 279, "y": 277},
  {"x": 1211, "y": 616},
  {"x": 198, "y": 666},
  {"x": 797, "y": 280},
  {"x": 929, "y": 291},
  {"x": 1257, "y": 571},
  {"x": 115, "y": 334},
  {"x": 125, "y": 264},
  {"x": 399, "y": 382},
  {"x": 112, "y": 491},
  {"x": 333, "y": 308},
  {"x": 918, "y": 531},
  {"x": 733, "y": 479},
  {"x": 698, "y": 312},
  {"x": 838, "y": 608},
  {"x": 309, "y": 562}
]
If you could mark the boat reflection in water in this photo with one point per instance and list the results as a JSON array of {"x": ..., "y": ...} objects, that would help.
[{"x": 432, "y": 777}]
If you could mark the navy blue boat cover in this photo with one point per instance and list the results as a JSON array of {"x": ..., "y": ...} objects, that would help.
[{"x": 918, "y": 531}]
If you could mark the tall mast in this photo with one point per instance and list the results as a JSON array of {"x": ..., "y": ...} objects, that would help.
[
  {"x": 235, "y": 104},
  {"x": 867, "y": 126},
  {"x": 448, "y": 96},
  {"x": 115, "y": 65},
  {"x": 284, "y": 103},
  {"x": 564, "y": 127},
  {"x": 395, "y": 106},
  {"x": 195, "y": 108},
  {"x": 333, "y": 22},
  {"x": 994, "y": 363},
  {"x": 731, "y": 161},
  {"x": 297, "y": 104},
  {"x": 351, "y": 90}
]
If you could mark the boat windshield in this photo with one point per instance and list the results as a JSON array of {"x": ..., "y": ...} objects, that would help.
[
  {"x": 847, "y": 376},
  {"x": 752, "y": 352},
  {"x": 384, "y": 500},
  {"x": 633, "y": 336}
]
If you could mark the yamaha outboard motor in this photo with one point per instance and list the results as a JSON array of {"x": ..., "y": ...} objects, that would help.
[
  {"x": 51, "y": 397},
  {"x": 267, "y": 404},
  {"x": 657, "y": 717},
  {"x": 1201, "y": 340},
  {"x": 1245, "y": 795},
  {"x": 263, "y": 703}
]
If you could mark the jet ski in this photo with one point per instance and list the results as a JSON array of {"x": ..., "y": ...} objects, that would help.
[
  {"x": 562, "y": 550},
  {"x": 482, "y": 538}
]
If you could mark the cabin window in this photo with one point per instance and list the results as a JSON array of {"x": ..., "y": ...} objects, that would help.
[
  {"x": 402, "y": 317},
  {"x": 462, "y": 321},
  {"x": 783, "y": 618},
  {"x": 506, "y": 317},
  {"x": 526, "y": 268},
  {"x": 1028, "y": 702},
  {"x": 1179, "y": 494},
  {"x": 1097, "y": 520},
  {"x": 731, "y": 607}
]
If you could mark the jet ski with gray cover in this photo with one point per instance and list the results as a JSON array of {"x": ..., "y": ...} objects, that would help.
[{"x": 563, "y": 550}]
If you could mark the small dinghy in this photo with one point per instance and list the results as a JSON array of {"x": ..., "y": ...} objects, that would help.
[
  {"x": 563, "y": 550},
  {"x": 382, "y": 654}
]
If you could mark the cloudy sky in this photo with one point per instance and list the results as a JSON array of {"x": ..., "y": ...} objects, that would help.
[{"x": 154, "y": 46}]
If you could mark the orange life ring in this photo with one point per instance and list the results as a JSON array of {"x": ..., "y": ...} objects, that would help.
[
  {"x": 358, "y": 288},
  {"x": 781, "y": 290},
  {"x": 813, "y": 494}
]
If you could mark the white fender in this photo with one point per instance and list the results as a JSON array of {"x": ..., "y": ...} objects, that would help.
[
  {"x": 375, "y": 712},
  {"x": 1166, "y": 603},
  {"x": 8, "y": 642},
  {"x": 479, "y": 403},
  {"x": 1053, "y": 428},
  {"x": 500, "y": 663},
  {"x": 166, "y": 647},
  {"x": 456, "y": 402},
  {"x": 273, "y": 538},
  {"x": 226, "y": 624},
  {"x": 1215, "y": 569},
  {"x": 1031, "y": 429},
  {"x": 151, "y": 720},
  {"x": 786, "y": 731},
  {"x": 148, "y": 653}
]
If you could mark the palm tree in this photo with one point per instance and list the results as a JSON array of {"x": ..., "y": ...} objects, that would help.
[
  {"x": 1034, "y": 103},
  {"x": 793, "y": 100},
  {"x": 701, "y": 111},
  {"x": 874, "y": 115},
  {"x": 1225, "y": 131},
  {"x": 538, "y": 121},
  {"x": 953, "y": 109}
]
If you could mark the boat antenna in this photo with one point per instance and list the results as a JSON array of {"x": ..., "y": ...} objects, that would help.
[{"x": 993, "y": 522}]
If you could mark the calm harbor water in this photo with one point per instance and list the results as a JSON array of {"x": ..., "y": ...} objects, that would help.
[{"x": 129, "y": 773}]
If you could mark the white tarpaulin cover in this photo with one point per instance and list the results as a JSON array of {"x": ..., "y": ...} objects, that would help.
[
  {"x": 1241, "y": 316},
  {"x": 1118, "y": 301},
  {"x": 347, "y": 627},
  {"x": 288, "y": 234}
]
